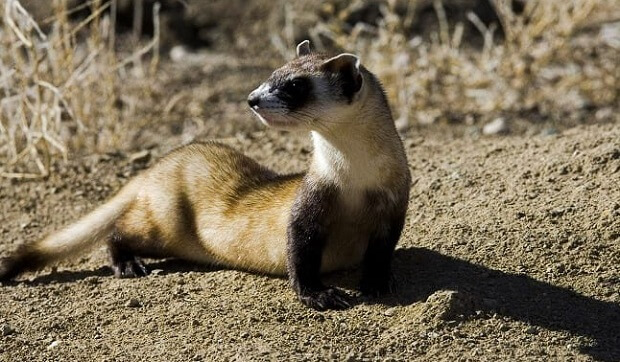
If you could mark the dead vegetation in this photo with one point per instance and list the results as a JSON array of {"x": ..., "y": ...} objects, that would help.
[
  {"x": 61, "y": 89},
  {"x": 67, "y": 89},
  {"x": 542, "y": 66}
]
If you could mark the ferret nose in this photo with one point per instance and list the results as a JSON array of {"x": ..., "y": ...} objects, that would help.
[{"x": 253, "y": 100}]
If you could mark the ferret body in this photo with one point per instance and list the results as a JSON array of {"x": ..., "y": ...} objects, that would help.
[{"x": 208, "y": 203}]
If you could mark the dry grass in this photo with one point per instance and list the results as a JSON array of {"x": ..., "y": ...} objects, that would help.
[
  {"x": 67, "y": 90},
  {"x": 541, "y": 66},
  {"x": 61, "y": 89}
]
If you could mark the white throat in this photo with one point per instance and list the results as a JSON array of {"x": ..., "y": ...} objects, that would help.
[{"x": 351, "y": 162}]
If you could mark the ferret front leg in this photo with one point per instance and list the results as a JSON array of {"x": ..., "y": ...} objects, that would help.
[
  {"x": 305, "y": 249},
  {"x": 307, "y": 236},
  {"x": 377, "y": 265}
]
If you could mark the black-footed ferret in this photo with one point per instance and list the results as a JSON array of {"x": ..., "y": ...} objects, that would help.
[{"x": 208, "y": 203}]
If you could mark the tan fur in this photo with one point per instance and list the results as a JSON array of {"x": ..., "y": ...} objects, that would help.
[
  {"x": 238, "y": 209},
  {"x": 208, "y": 203},
  {"x": 91, "y": 229}
]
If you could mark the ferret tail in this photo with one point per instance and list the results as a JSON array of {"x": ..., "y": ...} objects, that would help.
[{"x": 73, "y": 239}]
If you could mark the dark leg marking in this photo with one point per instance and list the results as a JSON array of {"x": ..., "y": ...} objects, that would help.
[
  {"x": 124, "y": 262},
  {"x": 307, "y": 235},
  {"x": 376, "y": 270},
  {"x": 377, "y": 265}
]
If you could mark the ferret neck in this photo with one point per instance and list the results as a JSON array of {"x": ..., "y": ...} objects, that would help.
[{"x": 362, "y": 159}]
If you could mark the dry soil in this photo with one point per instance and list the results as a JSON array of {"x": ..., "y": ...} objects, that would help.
[{"x": 511, "y": 251}]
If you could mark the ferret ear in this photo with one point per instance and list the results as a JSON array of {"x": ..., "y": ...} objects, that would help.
[
  {"x": 303, "y": 48},
  {"x": 344, "y": 61},
  {"x": 348, "y": 66}
]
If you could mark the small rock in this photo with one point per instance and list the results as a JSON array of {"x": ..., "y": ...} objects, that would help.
[
  {"x": 604, "y": 114},
  {"x": 556, "y": 212},
  {"x": 156, "y": 271},
  {"x": 549, "y": 131},
  {"x": 497, "y": 126},
  {"x": 432, "y": 335},
  {"x": 178, "y": 53},
  {"x": 53, "y": 345},
  {"x": 6, "y": 330},
  {"x": 445, "y": 306},
  {"x": 389, "y": 312},
  {"x": 132, "y": 303}
]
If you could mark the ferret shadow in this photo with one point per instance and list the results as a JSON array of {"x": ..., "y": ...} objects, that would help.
[
  {"x": 418, "y": 273},
  {"x": 160, "y": 267}
]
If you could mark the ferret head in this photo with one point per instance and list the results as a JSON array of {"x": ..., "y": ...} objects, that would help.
[{"x": 311, "y": 92}]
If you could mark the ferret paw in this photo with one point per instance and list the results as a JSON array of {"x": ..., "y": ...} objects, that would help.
[
  {"x": 324, "y": 299},
  {"x": 132, "y": 268}
]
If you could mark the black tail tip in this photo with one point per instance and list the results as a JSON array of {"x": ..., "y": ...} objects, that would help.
[
  {"x": 9, "y": 269},
  {"x": 25, "y": 258}
]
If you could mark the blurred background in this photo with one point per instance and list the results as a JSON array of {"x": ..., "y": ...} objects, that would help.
[{"x": 82, "y": 77}]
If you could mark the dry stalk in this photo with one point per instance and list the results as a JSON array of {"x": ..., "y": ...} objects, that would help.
[
  {"x": 537, "y": 60},
  {"x": 60, "y": 89}
]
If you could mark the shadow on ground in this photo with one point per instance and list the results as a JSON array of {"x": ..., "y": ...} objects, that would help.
[
  {"x": 421, "y": 272},
  {"x": 164, "y": 267}
]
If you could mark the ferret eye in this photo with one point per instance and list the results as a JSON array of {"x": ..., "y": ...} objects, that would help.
[
  {"x": 295, "y": 92},
  {"x": 296, "y": 86}
]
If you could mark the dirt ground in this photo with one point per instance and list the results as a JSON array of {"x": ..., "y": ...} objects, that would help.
[{"x": 511, "y": 249}]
